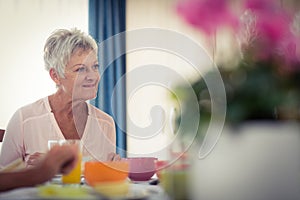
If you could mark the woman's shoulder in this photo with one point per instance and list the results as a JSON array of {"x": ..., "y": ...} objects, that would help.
[
  {"x": 39, "y": 107},
  {"x": 99, "y": 114}
]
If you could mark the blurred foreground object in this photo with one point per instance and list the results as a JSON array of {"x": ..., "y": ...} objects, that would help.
[
  {"x": 264, "y": 82},
  {"x": 256, "y": 161},
  {"x": 256, "y": 155}
]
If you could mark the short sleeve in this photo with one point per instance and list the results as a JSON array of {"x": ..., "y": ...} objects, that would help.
[{"x": 12, "y": 145}]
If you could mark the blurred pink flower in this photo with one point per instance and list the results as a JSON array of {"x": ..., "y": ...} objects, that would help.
[
  {"x": 270, "y": 24},
  {"x": 273, "y": 29},
  {"x": 291, "y": 53},
  {"x": 208, "y": 15},
  {"x": 260, "y": 4}
]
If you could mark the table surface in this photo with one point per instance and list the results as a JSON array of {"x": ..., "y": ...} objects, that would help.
[{"x": 137, "y": 190}]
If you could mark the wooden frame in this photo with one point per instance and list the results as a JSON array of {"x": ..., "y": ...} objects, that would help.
[{"x": 2, "y": 131}]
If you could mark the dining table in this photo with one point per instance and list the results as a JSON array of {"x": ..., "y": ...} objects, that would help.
[{"x": 55, "y": 189}]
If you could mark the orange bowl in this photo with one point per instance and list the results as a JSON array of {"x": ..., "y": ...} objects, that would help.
[{"x": 99, "y": 172}]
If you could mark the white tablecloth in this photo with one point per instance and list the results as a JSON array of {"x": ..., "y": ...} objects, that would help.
[{"x": 150, "y": 192}]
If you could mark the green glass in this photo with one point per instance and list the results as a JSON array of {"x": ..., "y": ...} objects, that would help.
[{"x": 175, "y": 183}]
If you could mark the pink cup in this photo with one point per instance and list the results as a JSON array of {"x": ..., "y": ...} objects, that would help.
[{"x": 141, "y": 168}]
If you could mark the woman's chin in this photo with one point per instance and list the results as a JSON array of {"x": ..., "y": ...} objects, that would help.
[{"x": 85, "y": 97}]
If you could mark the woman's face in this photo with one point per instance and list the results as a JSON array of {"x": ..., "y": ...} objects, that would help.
[{"x": 81, "y": 76}]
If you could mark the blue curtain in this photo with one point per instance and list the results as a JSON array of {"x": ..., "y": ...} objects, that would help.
[{"x": 106, "y": 19}]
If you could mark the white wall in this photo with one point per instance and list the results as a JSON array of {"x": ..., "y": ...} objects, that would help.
[
  {"x": 25, "y": 25},
  {"x": 154, "y": 14}
]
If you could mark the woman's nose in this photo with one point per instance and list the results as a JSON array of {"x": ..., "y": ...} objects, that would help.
[{"x": 92, "y": 75}]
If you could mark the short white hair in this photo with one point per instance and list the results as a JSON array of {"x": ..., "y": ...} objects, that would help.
[{"x": 60, "y": 46}]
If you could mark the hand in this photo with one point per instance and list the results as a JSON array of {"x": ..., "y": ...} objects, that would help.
[
  {"x": 34, "y": 159},
  {"x": 113, "y": 157},
  {"x": 61, "y": 159}
]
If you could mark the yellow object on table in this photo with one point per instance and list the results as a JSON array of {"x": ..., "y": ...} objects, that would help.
[
  {"x": 59, "y": 191},
  {"x": 75, "y": 175},
  {"x": 113, "y": 189}
]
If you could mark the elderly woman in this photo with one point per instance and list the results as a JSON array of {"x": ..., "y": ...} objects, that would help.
[{"x": 71, "y": 58}]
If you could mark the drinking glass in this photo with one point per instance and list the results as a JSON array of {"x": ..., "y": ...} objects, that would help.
[
  {"x": 175, "y": 178},
  {"x": 73, "y": 177}
]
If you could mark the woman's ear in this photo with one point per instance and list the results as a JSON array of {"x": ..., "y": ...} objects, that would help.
[{"x": 54, "y": 75}]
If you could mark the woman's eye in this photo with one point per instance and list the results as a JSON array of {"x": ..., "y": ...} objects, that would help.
[
  {"x": 95, "y": 67},
  {"x": 80, "y": 69}
]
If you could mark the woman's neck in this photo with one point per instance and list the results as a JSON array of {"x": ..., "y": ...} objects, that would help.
[
  {"x": 60, "y": 103},
  {"x": 71, "y": 116}
]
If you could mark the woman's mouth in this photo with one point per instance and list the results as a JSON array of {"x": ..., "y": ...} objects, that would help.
[{"x": 89, "y": 85}]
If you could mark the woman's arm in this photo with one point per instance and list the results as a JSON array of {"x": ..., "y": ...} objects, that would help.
[
  {"x": 11, "y": 180},
  {"x": 58, "y": 159}
]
